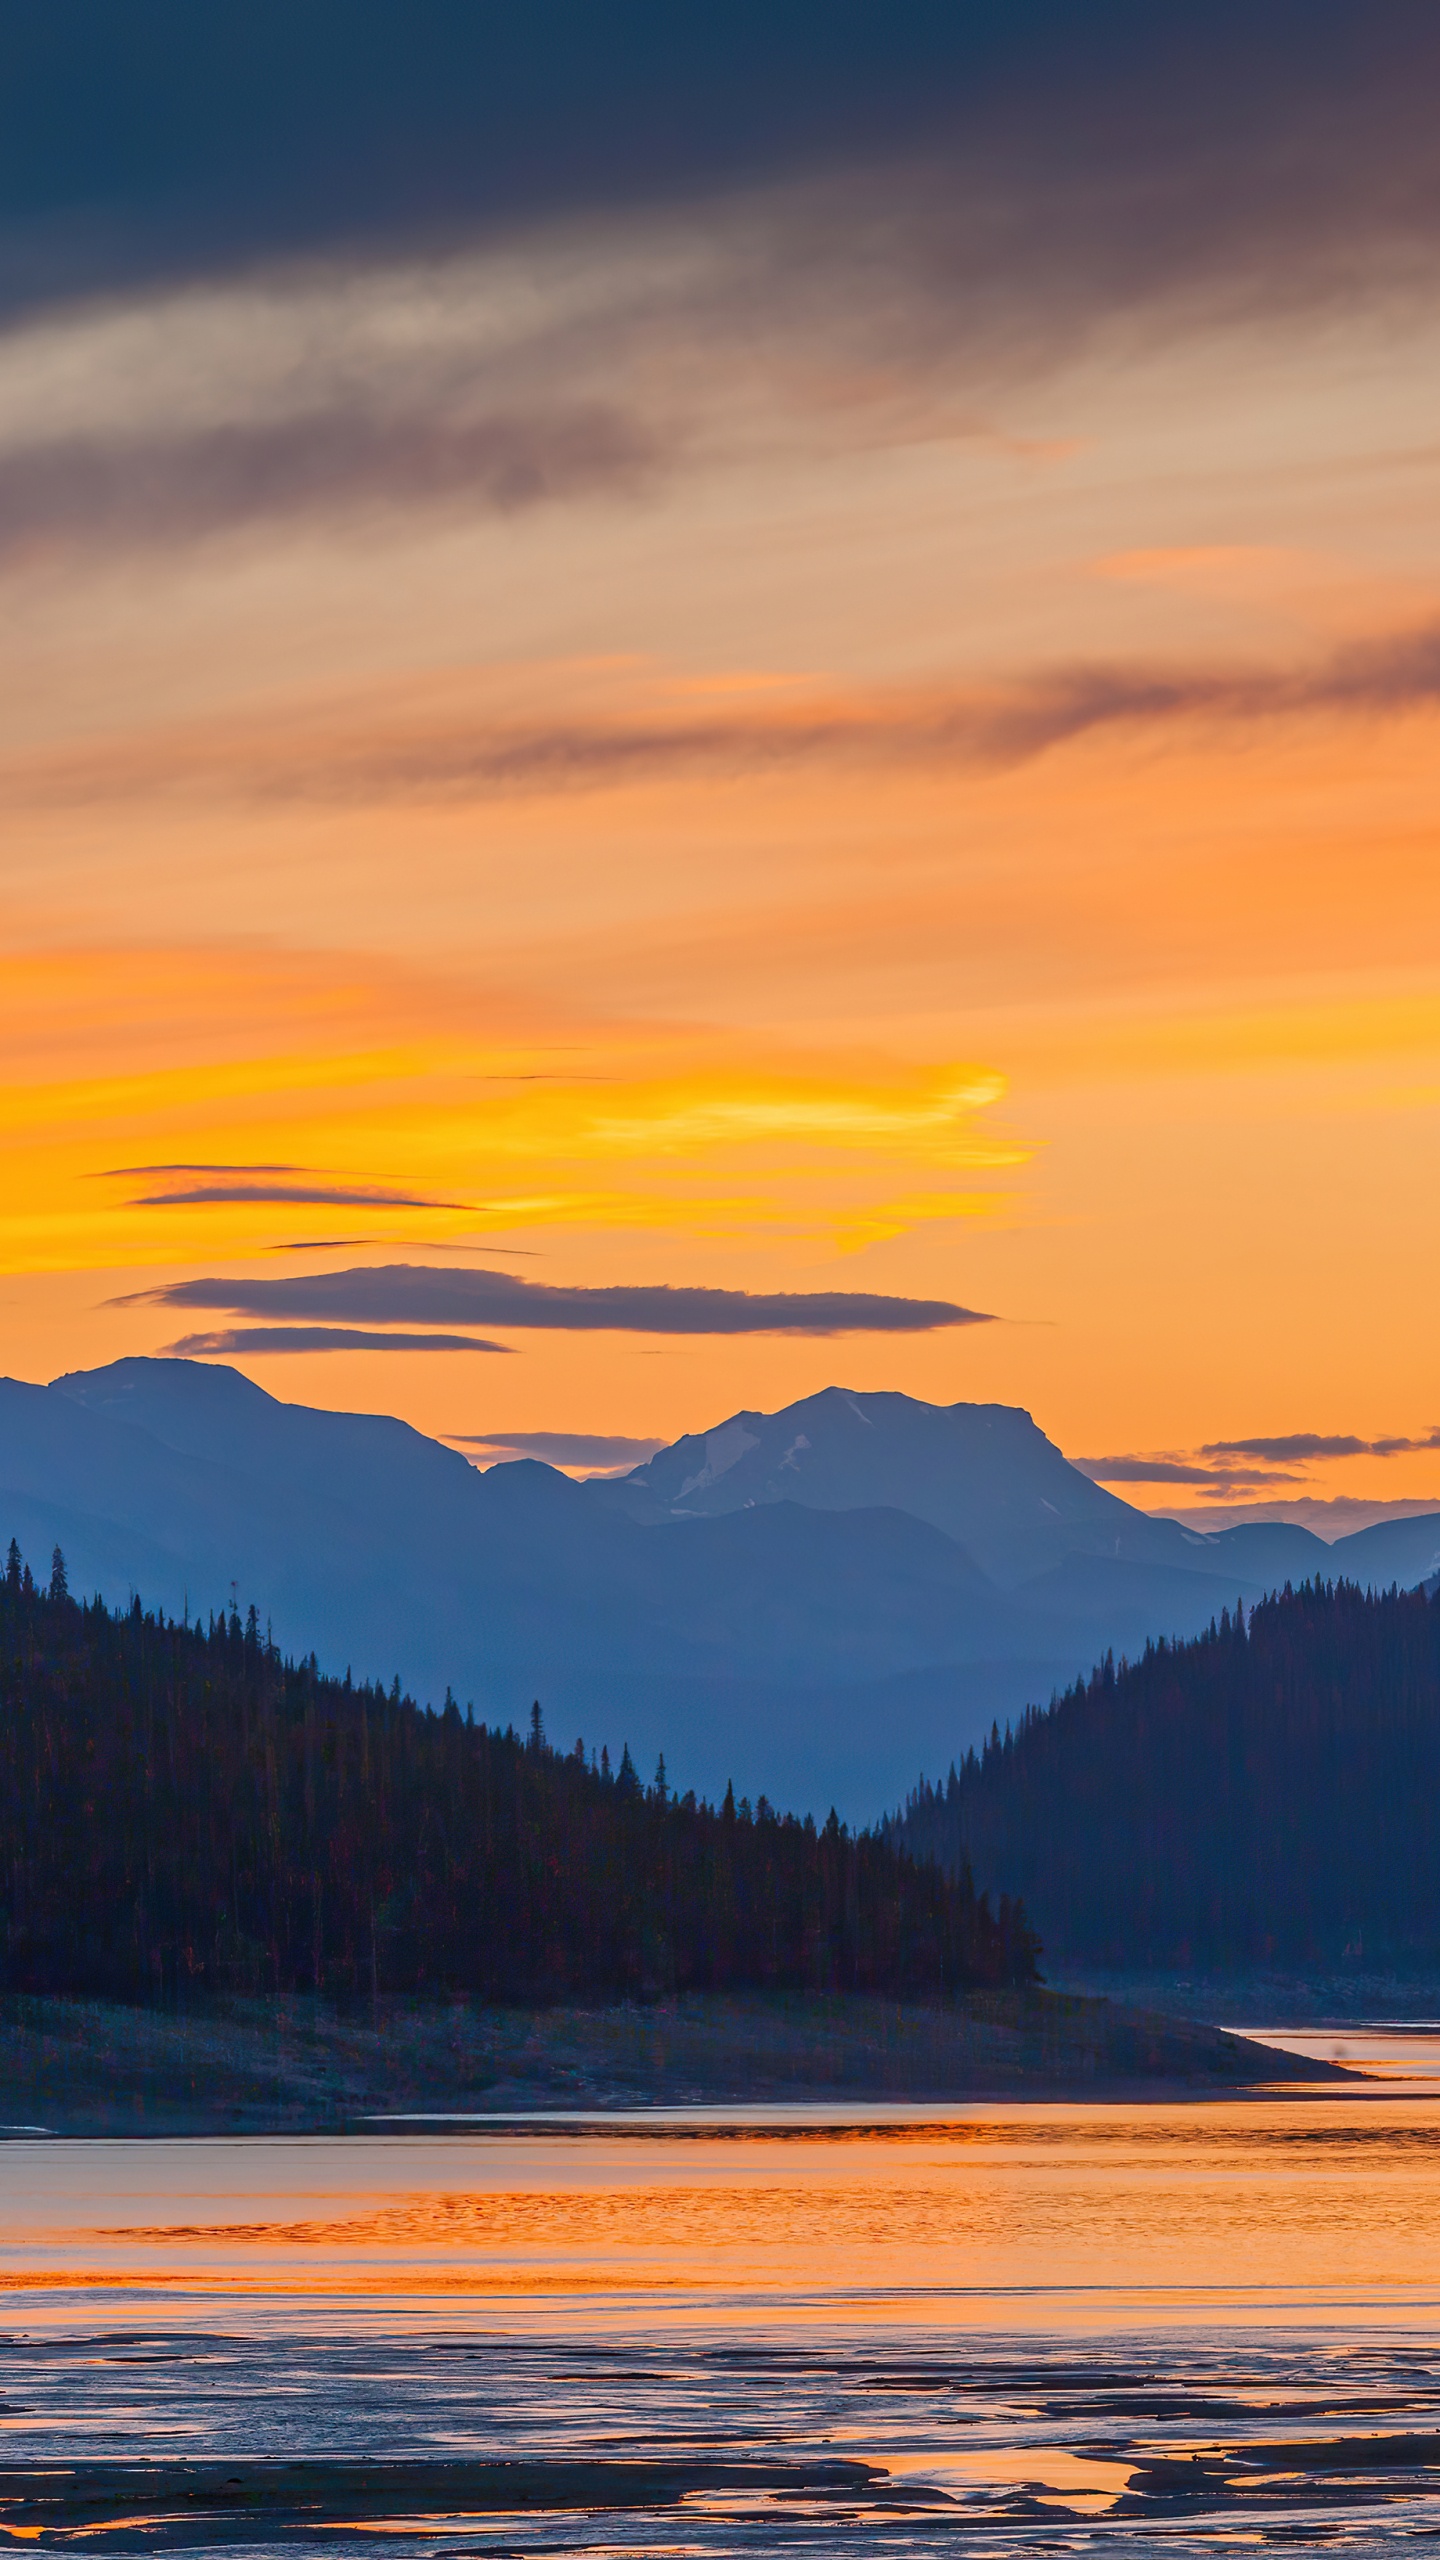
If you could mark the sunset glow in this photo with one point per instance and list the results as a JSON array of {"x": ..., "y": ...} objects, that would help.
[
  {"x": 720, "y": 1416},
  {"x": 685, "y": 747}
]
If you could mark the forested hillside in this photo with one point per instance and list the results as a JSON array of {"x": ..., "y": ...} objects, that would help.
[
  {"x": 1269, "y": 1792},
  {"x": 182, "y": 1809}
]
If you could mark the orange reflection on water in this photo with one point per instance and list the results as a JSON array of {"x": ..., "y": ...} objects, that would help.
[{"x": 1316, "y": 2198}]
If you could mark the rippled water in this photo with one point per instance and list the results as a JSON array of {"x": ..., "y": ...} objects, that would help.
[{"x": 1006, "y": 2328}]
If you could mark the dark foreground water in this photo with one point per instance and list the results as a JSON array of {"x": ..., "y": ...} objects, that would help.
[{"x": 1009, "y": 2329}]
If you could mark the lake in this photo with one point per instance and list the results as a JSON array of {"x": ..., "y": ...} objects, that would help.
[{"x": 988, "y": 2328}]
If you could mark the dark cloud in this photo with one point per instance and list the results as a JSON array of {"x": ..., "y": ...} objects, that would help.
[
  {"x": 407, "y": 1292},
  {"x": 1399, "y": 672},
  {"x": 1001, "y": 726},
  {"x": 930, "y": 196},
  {"x": 559, "y": 1448},
  {"x": 172, "y": 142},
  {"x": 1319, "y": 1444},
  {"x": 1220, "y": 1465},
  {"x": 1136, "y": 1470},
  {"x": 294, "y": 1195},
  {"x": 1142, "y": 1471},
  {"x": 937, "y": 198},
  {"x": 241, "y": 1339},
  {"x": 91, "y": 491},
  {"x": 1092, "y": 156},
  {"x": 290, "y": 1187}
]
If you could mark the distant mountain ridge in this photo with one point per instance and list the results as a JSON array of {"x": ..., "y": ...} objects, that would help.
[
  {"x": 982, "y": 1473},
  {"x": 988, "y": 1476},
  {"x": 819, "y": 1603}
]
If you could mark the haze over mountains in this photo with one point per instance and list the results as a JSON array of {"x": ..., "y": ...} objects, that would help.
[{"x": 819, "y": 1603}]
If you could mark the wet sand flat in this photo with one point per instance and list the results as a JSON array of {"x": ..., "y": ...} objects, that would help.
[{"x": 1165, "y": 2327}]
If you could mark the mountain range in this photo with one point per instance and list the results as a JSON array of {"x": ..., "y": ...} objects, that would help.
[{"x": 818, "y": 1603}]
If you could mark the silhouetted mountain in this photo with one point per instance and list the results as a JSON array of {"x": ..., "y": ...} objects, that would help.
[
  {"x": 987, "y": 1476},
  {"x": 818, "y": 1648},
  {"x": 984, "y": 1473},
  {"x": 1265, "y": 1794},
  {"x": 1403, "y": 1551}
]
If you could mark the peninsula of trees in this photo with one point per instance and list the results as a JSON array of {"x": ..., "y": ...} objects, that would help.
[
  {"x": 1266, "y": 1794},
  {"x": 183, "y": 1811}
]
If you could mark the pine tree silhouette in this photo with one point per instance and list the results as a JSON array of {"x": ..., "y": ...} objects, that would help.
[
  {"x": 183, "y": 1810},
  {"x": 1268, "y": 1792}
]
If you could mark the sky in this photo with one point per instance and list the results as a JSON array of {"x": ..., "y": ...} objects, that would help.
[{"x": 695, "y": 703}]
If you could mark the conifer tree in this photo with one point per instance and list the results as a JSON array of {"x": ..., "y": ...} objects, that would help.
[
  {"x": 183, "y": 1810},
  {"x": 1267, "y": 1792}
]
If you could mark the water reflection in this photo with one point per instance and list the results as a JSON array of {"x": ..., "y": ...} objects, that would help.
[
  {"x": 1290, "y": 2198},
  {"x": 1155, "y": 2328},
  {"x": 1403, "y": 2052}
]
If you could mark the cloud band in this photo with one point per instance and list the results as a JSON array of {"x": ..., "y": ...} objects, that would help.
[
  {"x": 458, "y": 758},
  {"x": 255, "y": 1338},
  {"x": 400, "y": 1293}
]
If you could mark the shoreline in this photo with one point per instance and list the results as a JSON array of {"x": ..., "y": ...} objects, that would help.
[
  {"x": 1257, "y": 1998},
  {"x": 298, "y": 2064}
]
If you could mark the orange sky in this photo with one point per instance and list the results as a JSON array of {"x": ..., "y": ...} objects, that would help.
[{"x": 946, "y": 830}]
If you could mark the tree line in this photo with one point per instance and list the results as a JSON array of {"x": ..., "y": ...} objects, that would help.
[
  {"x": 184, "y": 1810},
  {"x": 1269, "y": 1791}
]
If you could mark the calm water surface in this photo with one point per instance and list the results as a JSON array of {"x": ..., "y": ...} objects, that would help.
[{"x": 1002, "y": 2328}]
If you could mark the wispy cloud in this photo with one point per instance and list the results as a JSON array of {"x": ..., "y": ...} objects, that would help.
[
  {"x": 1224, "y": 1466},
  {"x": 287, "y": 1195},
  {"x": 239, "y": 1340},
  {"x": 909, "y": 221},
  {"x": 94, "y": 493},
  {"x": 280, "y": 1185},
  {"x": 407, "y": 1292},
  {"x": 1138, "y": 1470},
  {"x": 1321, "y": 1444},
  {"x": 358, "y": 758}
]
